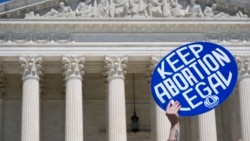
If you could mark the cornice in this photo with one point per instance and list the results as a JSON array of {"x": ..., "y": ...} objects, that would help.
[
  {"x": 78, "y": 32},
  {"x": 126, "y": 25}
]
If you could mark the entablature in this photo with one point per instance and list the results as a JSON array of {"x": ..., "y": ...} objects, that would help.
[
  {"x": 138, "y": 39},
  {"x": 151, "y": 25},
  {"x": 98, "y": 32}
]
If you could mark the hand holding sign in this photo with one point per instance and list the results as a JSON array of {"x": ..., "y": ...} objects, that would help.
[
  {"x": 199, "y": 75},
  {"x": 173, "y": 116},
  {"x": 172, "y": 112}
]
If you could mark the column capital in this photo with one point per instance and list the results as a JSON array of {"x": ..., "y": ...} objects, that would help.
[
  {"x": 153, "y": 62},
  {"x": 31, "y": 66},
  {"x": 73, "y": 67},
  {"x": 243, "y": 62},
  {"x": 115, "y": 66}
]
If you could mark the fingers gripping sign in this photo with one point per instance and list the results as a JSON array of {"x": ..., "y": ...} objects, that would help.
[{"x": 172, "y": 111}]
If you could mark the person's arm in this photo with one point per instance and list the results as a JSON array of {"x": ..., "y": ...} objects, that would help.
[{"x": 173, "y": 117}]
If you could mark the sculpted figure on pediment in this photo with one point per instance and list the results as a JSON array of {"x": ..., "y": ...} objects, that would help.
[
  {"x": 239, "y": 14},
  {"x": 119, "y": 8},
  {"x": 31, "y": 14},
  {"x": 212, "y": 12},
  {"x": 155, "y": 8},
  {"x": 138, "y": 8},
  {"x": 193, "y": 9},
  {"x": 84, "y": 9},
  {"x": 63, "y": 11},
  {"x": 166, "y": 9},
  {"x": 101, "y": 9},
  {"x": 209, "y": 11},
  {"x": 177, "y": 9}
]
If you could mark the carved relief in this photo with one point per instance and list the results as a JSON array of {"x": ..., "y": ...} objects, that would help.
[
  {"x": 31, "y": 14},
  {"x": 212, "y": 12},
  {"x": 193, "y": 9},
  {"x": 228, "y": 37},
  {"x": 136, "y": 8},
  {"x": 31, "y": 66},
  {"x": 39, "y": 38},
  {"x": 101, "y": 9},
  {"x": 63, "y": 11},
  {"x": 84, "y": 9}
]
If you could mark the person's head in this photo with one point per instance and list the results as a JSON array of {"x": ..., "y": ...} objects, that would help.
[
  {"x": 192, "y": 2},
  {"x": 214, "y": 5},
  {"x": 136, "y": 1},
  {"x": 32, "y": 13},
  {"x": 103, "y": 2},
  {"x": 87, "y": 1},
  {"x": 61, "y": 4}
]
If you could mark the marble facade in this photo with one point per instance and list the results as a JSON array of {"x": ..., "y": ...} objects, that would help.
[{"x": 75, "y": 81}]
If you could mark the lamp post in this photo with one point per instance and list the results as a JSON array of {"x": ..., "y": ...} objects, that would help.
[{"x": 134, "y": 118}]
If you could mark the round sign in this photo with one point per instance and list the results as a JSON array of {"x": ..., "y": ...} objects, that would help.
[{"x": 199, "y": 75}]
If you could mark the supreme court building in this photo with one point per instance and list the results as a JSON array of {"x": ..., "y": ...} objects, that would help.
[{"x": 77, "y": 70}]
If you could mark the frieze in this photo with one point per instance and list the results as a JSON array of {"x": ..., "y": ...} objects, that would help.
[
  {"x": 78, "y": 38},
  {"x": 122, "y": 26},
  {"x": 126, "y": 37},
  {"x": 136, "y": 9}
]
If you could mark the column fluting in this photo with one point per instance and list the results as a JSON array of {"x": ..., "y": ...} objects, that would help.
[
  {"x": 207, "y": 126},
  {"x": 244, "y": 96},
  {"x": 30, "y": 128},
  {"x": 160, "y": 125},
  {"x": 115, "y": 70},
  {"x": 73, "y": 71}
]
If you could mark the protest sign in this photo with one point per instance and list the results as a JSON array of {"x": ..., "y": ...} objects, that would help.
[{"x": 199, "y": 75}]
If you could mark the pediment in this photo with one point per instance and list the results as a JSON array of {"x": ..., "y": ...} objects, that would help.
[{"x": 47, "y": 9}]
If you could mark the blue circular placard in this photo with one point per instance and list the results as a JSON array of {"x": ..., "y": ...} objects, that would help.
[{"x": 199, "y": 75}]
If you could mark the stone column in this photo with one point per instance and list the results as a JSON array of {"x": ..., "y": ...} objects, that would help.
[
  {"x": 115, "y": 70},
  {"x": 244, "y": 95},
  {"x": 235, "y": 115},
  {"x": 1, "y": 117},
  {"x": 194, "y": 127},
  {"x": 73, "y": 73},
  {"x": 31, "y": 67},
  {"x": 160, "y": 125},
  {"x": 207, "y": 126},
  {"x": 2, "y": 88}
]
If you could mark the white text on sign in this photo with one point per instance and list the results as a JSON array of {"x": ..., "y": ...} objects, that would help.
[{"x": 189, "y": 69}]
